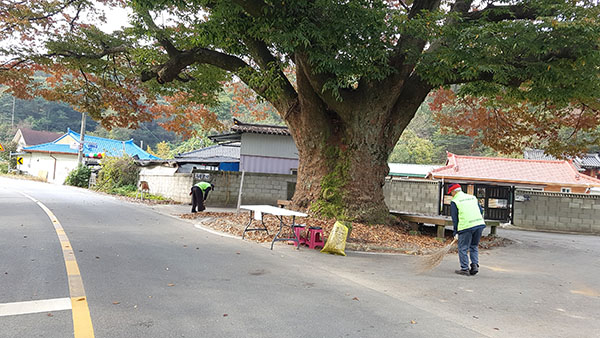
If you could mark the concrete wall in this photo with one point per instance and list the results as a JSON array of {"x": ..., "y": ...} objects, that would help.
[
  {"x": 53, "y": 168},
  {"x": 557, "y": 211},
  {"x": 165, "y": 182},
  {"x": 412, "y": 195},
  {"x": 258, "y": 188}
]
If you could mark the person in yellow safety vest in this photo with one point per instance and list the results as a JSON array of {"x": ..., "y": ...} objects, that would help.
[
  {"x": 467, "y": 216},
  {"x": 199, "y": 194}
]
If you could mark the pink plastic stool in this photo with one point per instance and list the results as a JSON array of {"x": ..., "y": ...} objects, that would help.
[
  {"x": 298, "y": 229},
  {"x": 315, "y": 237}
]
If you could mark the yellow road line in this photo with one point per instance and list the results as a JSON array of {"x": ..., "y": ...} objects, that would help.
[{"x": 82, "y": 321}]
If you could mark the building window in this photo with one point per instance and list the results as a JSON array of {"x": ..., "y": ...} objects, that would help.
[{"x": 568, "y": 190}]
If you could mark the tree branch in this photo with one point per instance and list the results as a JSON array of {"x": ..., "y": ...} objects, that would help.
[
  {"x": 494, "y": 13},
  {"x": 318, "y": 81},
  {"x": 158, "y": 33},
  {"x": 422, "y": 5},
  {"x": 106, "y": 51},
  {"x": 265, "y": 60}
]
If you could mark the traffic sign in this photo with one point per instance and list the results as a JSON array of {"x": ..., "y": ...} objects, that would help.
[
  {"x": 19, "y": 160},
  {"x": 1, "y": 147}
]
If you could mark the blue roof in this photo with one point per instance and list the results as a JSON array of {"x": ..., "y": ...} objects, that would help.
[{"x": 94, "y": 144}]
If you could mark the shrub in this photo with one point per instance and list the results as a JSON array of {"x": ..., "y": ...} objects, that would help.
[
  {"x": 117, "y": 172},
  {"x": 5, "y": 155},
  {"x": 79, "y": 177},
  {"x": 126, "y": 190}
]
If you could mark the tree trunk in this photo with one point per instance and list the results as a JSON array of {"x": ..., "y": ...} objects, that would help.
[{"x": 343, "y": 158}]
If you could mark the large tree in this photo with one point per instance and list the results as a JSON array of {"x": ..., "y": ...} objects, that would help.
[{"x": 361, "y": 68}]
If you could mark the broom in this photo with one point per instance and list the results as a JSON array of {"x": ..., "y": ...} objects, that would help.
[{"x": 431, "y": 261}]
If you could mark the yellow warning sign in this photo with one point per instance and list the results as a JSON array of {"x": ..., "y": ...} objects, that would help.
[
  {"x": 1, "y": 147},
  {"x": 19, "y": 160}
]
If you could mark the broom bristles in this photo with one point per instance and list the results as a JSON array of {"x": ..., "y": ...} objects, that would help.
[{"x": 429, "y": 262}]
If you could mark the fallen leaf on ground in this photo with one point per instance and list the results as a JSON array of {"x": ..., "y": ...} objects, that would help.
[
  {"x": 116, "y": 303},
  {"x": 413, "y": 322},
  {"x": 355, "y": 298},
  {"x": 170, "y": 284}
]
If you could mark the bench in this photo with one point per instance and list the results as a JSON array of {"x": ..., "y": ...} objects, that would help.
[
  {"x": 283, "y": 203},
  {"x": 441, "y": 222}
]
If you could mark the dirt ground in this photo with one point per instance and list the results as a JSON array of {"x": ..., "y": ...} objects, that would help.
[{"x": 363, "y": 237}]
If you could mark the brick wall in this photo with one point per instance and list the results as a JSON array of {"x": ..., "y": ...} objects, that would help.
[
  {"x": 557, "y": 211},
  {"x": 412, "y": 195},
  {"x": 258, "y": 188}
]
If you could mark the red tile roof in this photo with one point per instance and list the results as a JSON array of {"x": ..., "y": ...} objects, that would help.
[{"x": 509, "y": 170}]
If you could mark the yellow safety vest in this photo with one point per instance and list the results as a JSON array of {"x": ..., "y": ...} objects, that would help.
[
  {"x": 203, "y": 185},
  {"x": 469, "y": 214}
]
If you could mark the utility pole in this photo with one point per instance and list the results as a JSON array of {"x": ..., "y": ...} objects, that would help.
[
  {"x": 81, "y": 137},
  {"x": 12, "y": 121}
]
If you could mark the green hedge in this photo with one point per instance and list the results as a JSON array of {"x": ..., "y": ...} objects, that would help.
[
  {"x": 79, "y": 177},
  {"x": 117, "y": 172}
]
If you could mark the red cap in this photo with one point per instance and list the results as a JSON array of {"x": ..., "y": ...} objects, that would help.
[{"x": 453, "y": 187}]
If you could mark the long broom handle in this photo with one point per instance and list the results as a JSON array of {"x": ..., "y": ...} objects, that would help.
[{"x": 453, "y": 241}]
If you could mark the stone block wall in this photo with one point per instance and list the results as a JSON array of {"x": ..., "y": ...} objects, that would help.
[
  {"x": 258, "y": 188},
  {"x": 412, "y": 195},
  {"x": 557, "y": 211}
]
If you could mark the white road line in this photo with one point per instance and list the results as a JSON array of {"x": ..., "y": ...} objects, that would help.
[{"x": 35, "y": 306}]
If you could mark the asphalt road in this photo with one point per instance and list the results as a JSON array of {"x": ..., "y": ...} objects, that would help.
[{"x": 148, "y": 274}]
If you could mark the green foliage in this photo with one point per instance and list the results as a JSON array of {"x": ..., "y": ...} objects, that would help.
[
  {"x": 117, "y": 172},
  {"x": 5, "y": 155},
  {"x": 79, "y": 177},
  {"x": 126, "y": 190},
  {"x": 424, "y": 142},
  {"x": 413, "y": 149},
  {"x": 131, "y": 191},
  {"x": 6, "y": 133}
]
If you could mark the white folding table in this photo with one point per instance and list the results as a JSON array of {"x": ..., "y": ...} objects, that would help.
[{"x": 258, "y": 211}]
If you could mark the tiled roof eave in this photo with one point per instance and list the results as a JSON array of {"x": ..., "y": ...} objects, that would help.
[
  {"x": 481, "y": 179},
  {"x": 48, "y": 151}
]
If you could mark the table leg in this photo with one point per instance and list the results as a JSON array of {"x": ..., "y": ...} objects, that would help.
[
  {"x": 264, "y": 228},
  {"x": 294, "y": 238},
  {"x": 493, "y": 230},
  {"x": 247, "y": 225}
]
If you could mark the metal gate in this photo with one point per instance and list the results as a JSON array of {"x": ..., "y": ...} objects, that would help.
[{"x": 497, "y": 201}]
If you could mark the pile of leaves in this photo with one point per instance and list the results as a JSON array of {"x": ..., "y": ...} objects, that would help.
[{"x": 363, "y": 237}]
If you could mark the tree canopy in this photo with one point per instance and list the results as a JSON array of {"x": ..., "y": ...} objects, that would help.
[
  {"x": 361, "y": 69},
  {"x": 542, "y": 52}
]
